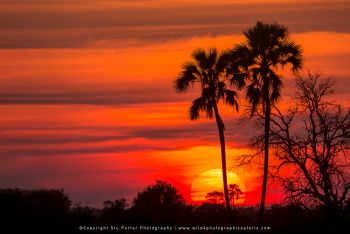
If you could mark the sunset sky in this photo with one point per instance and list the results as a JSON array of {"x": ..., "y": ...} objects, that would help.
[{"x": 86, "y": 95}]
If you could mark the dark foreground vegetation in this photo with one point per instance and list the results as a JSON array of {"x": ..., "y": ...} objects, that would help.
[{"x": 51, "y": 211}]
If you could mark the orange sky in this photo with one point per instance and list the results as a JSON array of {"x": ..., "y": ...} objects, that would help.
[{"x": 89, "y": 106}]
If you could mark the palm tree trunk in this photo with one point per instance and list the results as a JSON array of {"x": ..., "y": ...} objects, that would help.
[
  {"x": 223, "y": 156},
  {"x": 266, "y": 154}
]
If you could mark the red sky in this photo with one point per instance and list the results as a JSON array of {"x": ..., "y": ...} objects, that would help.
[{"x": 86, "y": 95}]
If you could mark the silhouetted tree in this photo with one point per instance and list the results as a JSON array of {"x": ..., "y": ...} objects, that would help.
[
  {"x": 82, "y": 215},
  {"x": 234, "y": 193},
  {"x": 114, "y": 211},
  {"x": 119, "y": 204},
  {"x": 215, "y": 197},
  {"x": 33, "y": 209},
  {"x": 312, "y": 140},
  {"x": 209, "y": 71},
  {"x": 267, "y": 48},
  {"x": 160, "y": 203}
]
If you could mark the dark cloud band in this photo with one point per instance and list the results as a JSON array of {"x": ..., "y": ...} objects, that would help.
[{"x": 58, "y": 28}]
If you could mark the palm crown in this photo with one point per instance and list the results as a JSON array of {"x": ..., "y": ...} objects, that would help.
[
  {"x": 208, "y": 69},
  {"x": 267, "y": 48}
]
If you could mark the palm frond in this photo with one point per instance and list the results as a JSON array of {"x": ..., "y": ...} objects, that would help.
[
  {"x": 277, "y": 33},
  {"x": 254, "y": 96},
  {"x": 200, "y": 58},
  {"x": 222, "y": 62},
  {"x": 221, "y": 90},
  {"x": 212, "y": 58},
  {"x": 201, "y": 104},
  {"x": 263, "y": 37},
  {"x": 239, "y": 80},
  {"x": 205, "y": 60},
  {"x": 240, "y": 60},
  {"x": 230, "y": 98},
  {"x": 288, "y": 53},
  {"x": 276, "y": 86},
  {"x": 188, "y": 76},
  {"x": 241, "y": 55},
  {"x": 256, "y": 37}
]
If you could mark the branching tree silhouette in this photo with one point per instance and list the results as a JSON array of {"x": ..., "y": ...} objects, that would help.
[
  {"x": 158, "y": 203},
  {"x": 312, "y": 140},
  {"x": 234, "y": 193},
  {"x": 215, "y": 197},
  {"x": 267, "y": 48},
  {"x": 209, "y": 71},
  {"x": 114, "y": 211}
]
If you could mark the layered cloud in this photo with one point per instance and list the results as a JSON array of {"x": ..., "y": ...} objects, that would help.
[
  {"x": 140, "y": 74},
  {"x": 70, "y": 24}
]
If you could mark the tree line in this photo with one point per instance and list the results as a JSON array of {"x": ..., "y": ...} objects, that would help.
[{"x": 159, "y": 204}]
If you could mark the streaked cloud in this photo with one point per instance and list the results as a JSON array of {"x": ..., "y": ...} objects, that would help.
[
  {"x": 139, "y": 73},
  {"x": 71, "y": 24}
]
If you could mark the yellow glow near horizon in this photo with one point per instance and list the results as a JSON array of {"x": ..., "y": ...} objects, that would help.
[{"x": 210, "y": 181}]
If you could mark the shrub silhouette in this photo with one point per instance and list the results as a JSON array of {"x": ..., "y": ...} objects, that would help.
[
  {"x": 37, "y": 209},
  {"x": 114, "y": 212},
  {"x": 159, "y": 203},
  {"x": 215, "y": 197}
]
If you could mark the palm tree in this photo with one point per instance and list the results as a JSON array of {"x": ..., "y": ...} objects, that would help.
[
  {"x": 234, "y": 193},
  {"x": 208, "y": 69},
  {"x": 267, "y": 48}
]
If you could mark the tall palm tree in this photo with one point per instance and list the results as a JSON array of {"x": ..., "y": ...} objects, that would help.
[
  {"x": 267, "y": 48},
  {"x": 208, "y": 69}
]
